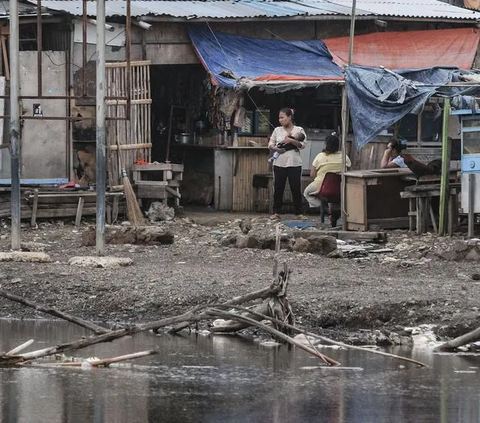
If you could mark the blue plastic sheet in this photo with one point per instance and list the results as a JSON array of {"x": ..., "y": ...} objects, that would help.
[
  {"x": 378, "y": 97},
  {"x": 229, "y": 58}
]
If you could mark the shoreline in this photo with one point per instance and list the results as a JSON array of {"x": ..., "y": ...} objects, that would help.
[{"x": 346, "y": 297}]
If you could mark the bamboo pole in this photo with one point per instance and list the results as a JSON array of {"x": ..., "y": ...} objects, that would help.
[{"x": 445, "y": 178}]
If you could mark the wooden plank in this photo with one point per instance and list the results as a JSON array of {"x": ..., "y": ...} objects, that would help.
[
  {"x": 132, "y": 102},
  {"x": 345, "y": 235},
  {"x": 151, "y": 192},
  {"x": 78, "y": 217},
  {"x": 130, "y": 146},
  {"x": 355, "y": 200},
  {"x": 160, "y": 166},
  {"x": 33, "y": 221},
  {"x": 110, "y": 65},
  {"x": 173, "y": 192},
  {"x": 153, "y": 183}
]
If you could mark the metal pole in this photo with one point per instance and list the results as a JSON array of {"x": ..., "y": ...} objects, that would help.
[
  {"x": 445, "y": 178},
  {"x": 39, "y": 47},
  {"x": 84, "y": 49},
  {"x": 345, "y": 119},
  {"x": 15, "y": 122},
  {"x": 100, "y": 129},
  {"x": 128, "y": 54}
]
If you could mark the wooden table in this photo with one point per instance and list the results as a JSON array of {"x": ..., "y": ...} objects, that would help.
[
  {"x": 373, "y": 201},
  {"x": 419, "y": 197},
  {"x": 158, "y": 181}
]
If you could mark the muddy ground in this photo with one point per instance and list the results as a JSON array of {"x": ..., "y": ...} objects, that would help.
[{"x": 406, "y": 285}]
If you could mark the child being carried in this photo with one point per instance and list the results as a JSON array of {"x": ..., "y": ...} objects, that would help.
[{"x": 298, "y": 137}]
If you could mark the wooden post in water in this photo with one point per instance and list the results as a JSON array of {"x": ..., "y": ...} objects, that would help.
[{"x": 444, "y": 185}]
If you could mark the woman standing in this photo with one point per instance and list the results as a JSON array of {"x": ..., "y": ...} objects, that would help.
[{"x": 287, "y": 140}]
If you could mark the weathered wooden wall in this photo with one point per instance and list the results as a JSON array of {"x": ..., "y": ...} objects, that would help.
[
  {"x": 167, "y": 43},
  {"x": 249, "y": 163}
]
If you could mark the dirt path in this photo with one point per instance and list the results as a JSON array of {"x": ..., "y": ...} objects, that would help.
[{"x": 381, "y": 291}]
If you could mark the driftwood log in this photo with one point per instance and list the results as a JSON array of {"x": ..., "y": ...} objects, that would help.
[{"x": 453, "y": 344}]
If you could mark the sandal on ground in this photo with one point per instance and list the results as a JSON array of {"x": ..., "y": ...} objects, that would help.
[{"x": 274, "y": 216}]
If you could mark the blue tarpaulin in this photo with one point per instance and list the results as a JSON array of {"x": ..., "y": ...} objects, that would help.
[
  {"x": 378, "y": 97},
  {"x": 228, "y": 58}
]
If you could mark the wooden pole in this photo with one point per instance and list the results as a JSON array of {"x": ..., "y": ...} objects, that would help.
[
  {"x": 345, "y": 119},
  {"x": 471, "y": 205},
  {"x": 344, "y": 156},
  {"x": 100, "y": 129},
  {"x": 444, "y": 185}
]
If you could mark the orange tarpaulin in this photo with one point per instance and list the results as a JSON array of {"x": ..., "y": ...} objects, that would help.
[{"x": 409, "y": 50}]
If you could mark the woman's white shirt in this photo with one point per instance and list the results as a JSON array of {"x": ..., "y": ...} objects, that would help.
[{"x": 290, "y": 158}]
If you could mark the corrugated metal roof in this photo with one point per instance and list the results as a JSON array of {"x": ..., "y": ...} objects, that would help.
[
  {"x": 23, "y": 9},
  {"x": 414, "y": 9},
  {"x": 222, "y": 9},
  {"x": 216, "y": 9}
]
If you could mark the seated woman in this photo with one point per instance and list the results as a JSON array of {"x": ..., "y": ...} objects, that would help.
[
  {"x": 329, "y": 160},
  {"x": 391, "y": 157}
]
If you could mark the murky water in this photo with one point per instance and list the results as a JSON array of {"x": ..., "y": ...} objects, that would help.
[{"x": 225, "y": 379}]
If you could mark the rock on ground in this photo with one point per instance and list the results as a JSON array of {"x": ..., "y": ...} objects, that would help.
[
  {"x": 160, "y": 212},
  {"x": 25, "y": 257},
  {"x": 129, "y": 235},
  {"x": 100, "y": 262}
]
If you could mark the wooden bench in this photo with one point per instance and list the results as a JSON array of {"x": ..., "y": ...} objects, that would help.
[
  {"x": 420, "y": 208},
  {"x": 62, "y": 197}
]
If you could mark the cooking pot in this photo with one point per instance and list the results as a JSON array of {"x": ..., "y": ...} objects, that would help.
[{"x": 183, "y": 138}]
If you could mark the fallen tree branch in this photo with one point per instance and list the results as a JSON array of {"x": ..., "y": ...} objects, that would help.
[
  {"x": 235, "y": 325},
  {"x": 101, "y": 362},
  {"x": 453, "y": 344},
  {"x": 260, "y": 294},
  {"x": 21, "y": 347},
  {"x": 105, "y": 337},
  {"x": 251, "y": 322},
  {"x": 97, "y": 330},
  {"x": 328, "y": 340}
]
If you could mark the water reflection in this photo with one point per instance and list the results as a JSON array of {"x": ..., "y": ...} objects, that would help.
[{"x": 225, "y": 379}]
